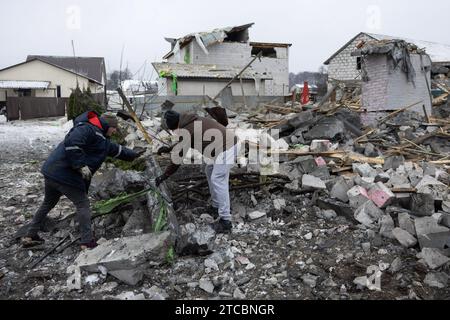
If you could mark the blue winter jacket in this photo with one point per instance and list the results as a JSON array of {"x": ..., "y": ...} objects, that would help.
[{"x": 85, "y": 145}]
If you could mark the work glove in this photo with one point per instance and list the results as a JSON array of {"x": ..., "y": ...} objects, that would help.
[
  {"x": 139, "y": 151},
  {"x": 161, "y": 179},
  {"x": 164, "y": 150},
  {"x": 86, "y": 173}
]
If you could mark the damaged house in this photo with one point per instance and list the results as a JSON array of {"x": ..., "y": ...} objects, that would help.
[
  {"x": 395, "y": 74},
  {"x": 383, "y": 73},
  {"x": 343, "y": 66},
  {"x": 203, "y": 63}
]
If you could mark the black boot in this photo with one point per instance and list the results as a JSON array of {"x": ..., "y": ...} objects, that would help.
[
  {"x": 212, "y": 211},
  {"x": 31, "y": 240},
  {"x": 223, "y": 226}
]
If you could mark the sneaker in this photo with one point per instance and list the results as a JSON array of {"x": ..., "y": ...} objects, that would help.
[
  {"x": 212, "y": 211},
  {"x": 31, "y": 241},
  {"x": 91, "y": 245},
  {"x": 223, "y": 226}
]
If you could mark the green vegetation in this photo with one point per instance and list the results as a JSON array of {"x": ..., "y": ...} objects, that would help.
[{"x": 81, "y": 102}]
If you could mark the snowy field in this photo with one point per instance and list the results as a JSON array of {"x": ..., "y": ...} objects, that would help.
[{"x": 37, "y": 137}]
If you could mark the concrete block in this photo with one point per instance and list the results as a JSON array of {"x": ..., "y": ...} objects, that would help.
[
  {"x": 382, "y": 177},
  {"x": 434, "y": 258},
  {"x": 364, "y": 170},
  {"x": 130, "y": 277},
  {"x": 436, "y": 280},
  {"x": 368, "y": 214},
  {"x": 381, "y": 195},
  {"x": 309, "y": 181},
  {"x": 406, "y": 223},
  {"x": 320, "y": 145},
  {"x": 431, "y": 234},
  {"x": 393, "y": 162},
  {"x": 126, "y": 253},
  {"x": 430, "y": 185},
  {"x": 404, "y": 237},
  {"x": 365, "y": 182},
  {"x": 321, "y": 162},
  {"x": 340, "y": 189},
  {"x": 256, "y": 215},
  {"x": 387, "y": 226},
  {"x": 357, "y": 196},
  {"x": 422, "y": 204}
]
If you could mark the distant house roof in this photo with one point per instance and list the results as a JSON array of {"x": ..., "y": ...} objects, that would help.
[
  {"x": 90, "y": 67},
  {"x": 18, "y": 84},
  {"x": 439, "y": 53},
  {"x": 204, "y": 71},
  {"x": 208, "y": 37},
  {"x": 54, "y": 65}
]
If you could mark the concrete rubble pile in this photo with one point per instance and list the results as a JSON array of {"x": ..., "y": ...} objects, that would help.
[{"x": 345, "y": 205}]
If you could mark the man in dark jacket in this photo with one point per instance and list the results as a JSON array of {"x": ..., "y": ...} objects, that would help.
[
  {"x": 219, "y": 148},
  {"x": 70, "y": 167}
]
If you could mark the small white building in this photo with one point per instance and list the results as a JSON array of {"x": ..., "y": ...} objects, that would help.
[{"x": 204, "y": 62}]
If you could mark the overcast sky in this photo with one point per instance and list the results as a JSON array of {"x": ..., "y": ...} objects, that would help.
[{"x": 316, "y": 28}]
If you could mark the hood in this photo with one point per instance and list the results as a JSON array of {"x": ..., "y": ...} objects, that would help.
[
  {"x": 92, "y": 118},
  {"x": 186, "y": 119}
]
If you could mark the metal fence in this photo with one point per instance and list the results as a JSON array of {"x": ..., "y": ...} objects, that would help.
[{"x": 25, "y": 108}]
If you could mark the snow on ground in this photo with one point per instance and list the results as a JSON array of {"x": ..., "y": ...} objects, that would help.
[{"x": 36, "y": 136}]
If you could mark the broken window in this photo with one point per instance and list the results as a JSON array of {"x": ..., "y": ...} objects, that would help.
[
  {"x": 268, "y": 52},
  {"x": 237, "y": 36},
  {"x": 358, "y": 63}
]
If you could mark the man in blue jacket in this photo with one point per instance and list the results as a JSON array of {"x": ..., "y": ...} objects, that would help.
[{"x": 69, "y": 169}]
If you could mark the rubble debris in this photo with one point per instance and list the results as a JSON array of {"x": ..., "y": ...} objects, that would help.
[
  {"x": 406, "y": 223},
  {"x": 433, "y": 258},
  {"x": 195, "y": 240},
  {"x": 131, "y": 296},
  {"x": 126, "y": 254},
  {"x": 436, "y": 280},
  {"x": 340, "y": 190},
  {"x": 309, "y": 181},
  {"x": 381, "y": 195},
  {"x": 387, "y": 226},
  {"x": 422, "y": 205},
  {"x": 256, "y": 215},
  {"x": 404, "y": 237},
  {"x": 116, "y": 182},
  {"x": 368, "y": 214},
  {"x": 430, "y": 234},
  {"x": 358, "y": 196}
]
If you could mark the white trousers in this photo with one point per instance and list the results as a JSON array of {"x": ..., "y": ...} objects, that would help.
[{"x": 218, "y": 175}]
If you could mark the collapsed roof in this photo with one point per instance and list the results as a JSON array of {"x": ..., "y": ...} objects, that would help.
[
  {"x": 438, "y": 52},
  {"x": 205, "y": 39}
]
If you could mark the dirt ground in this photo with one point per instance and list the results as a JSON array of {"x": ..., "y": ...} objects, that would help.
[{"x": 291, "y": 253}]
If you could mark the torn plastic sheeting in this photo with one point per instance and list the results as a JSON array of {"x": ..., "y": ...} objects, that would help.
[
  {"x": 164, "y": 74},
  {"x": 398, "y": 53}
]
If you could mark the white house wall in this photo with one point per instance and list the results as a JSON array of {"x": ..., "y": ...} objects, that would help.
[{"x": 40, "y": 71}]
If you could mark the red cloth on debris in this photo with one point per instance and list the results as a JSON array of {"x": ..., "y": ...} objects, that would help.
[{"x": 305, "y": 93}]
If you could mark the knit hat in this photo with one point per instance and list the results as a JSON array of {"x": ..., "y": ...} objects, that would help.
[
  {"x": 110, "y": 119},
  {"x": 172, "y": 119}
]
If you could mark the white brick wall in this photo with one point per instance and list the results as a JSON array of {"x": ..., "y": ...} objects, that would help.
[
  {"x": 238, "y": 55},
  {"x": 389, "y": 90},
  {"x": 344, "y": 66}
]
